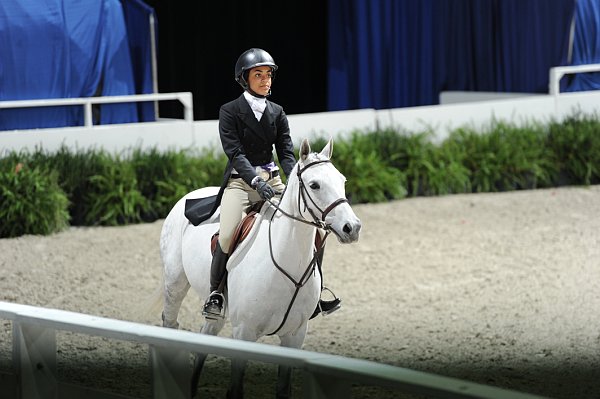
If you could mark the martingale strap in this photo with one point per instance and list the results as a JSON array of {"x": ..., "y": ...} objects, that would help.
[
  {"x": 303, "y": 280},
  {"x": 317, "y": 222}
]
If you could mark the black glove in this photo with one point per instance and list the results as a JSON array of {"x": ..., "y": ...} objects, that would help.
[{"x": 263, "y": 188}]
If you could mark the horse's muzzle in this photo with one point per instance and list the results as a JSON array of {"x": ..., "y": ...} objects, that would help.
[{"x": 348, "y": 232}]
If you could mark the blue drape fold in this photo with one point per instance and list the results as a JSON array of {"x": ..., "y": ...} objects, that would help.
[
  {"x": 586, "y": 45},
  {"x": 63, "y": 49},
  {"x": 137, "y": 21},
  {"x": 400, "y": 53}
]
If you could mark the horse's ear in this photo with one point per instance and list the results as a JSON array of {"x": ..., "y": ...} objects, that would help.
[
  {"x": 304, "y": 150},
  {"x": 327, "y": 151}
]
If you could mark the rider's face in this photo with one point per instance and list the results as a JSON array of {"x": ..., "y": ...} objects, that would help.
[{"x": 260, "y": 79}]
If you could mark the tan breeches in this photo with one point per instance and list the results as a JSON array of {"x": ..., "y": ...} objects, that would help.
[{"x": 237, "y": 197}]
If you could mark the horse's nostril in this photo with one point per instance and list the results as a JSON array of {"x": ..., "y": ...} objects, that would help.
[{"x": 347, "y": 228}]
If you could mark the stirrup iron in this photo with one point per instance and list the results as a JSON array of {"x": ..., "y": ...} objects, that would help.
[
  {"x": 214, "y": 307},
  {"x": 328, "y": 307}
]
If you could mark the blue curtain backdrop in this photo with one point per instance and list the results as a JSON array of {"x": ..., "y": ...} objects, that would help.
[
  {"x": 586, "y": 45},
  {"x": 401, "y": 53},
  {"x": 137, "y": 21},
  {"x": 63, "y": 49}
]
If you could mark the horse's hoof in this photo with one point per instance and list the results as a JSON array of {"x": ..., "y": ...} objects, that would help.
[{"x": 168, "y": 325}]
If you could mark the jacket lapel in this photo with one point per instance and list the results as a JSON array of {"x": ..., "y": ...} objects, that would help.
[
  {"x": 247, "y": 116},
  {"x": 268, "y": 123},
  {"x": 265, "y": 129}
]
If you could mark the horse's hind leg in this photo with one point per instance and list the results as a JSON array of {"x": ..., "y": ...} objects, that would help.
[
  {"x": 175, "y": 289},
  {"x": 176, "y": 284},
  {"x": 284, "y": 382}
]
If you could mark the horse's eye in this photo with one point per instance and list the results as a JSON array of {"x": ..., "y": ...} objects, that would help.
[{"x": 314, "y": 185}]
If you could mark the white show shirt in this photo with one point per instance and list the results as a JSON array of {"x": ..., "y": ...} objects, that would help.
[{"x": 258, "y": 105}]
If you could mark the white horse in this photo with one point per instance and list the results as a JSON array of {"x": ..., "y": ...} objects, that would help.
[{"x": 272, "y": 283}]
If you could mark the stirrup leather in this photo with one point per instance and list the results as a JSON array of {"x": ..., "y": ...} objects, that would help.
[{"x": 214, "y": 307}]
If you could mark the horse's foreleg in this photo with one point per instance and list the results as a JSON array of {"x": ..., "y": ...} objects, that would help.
[
  {"x": 284, "y": 382},
  {"x": 210, "y": 328},
  {"x": 198, "y": 364},
  {"x": 284, "y": 375},
  {"x": 236, "y": 385},
  {"x": 238, "y": 366}
]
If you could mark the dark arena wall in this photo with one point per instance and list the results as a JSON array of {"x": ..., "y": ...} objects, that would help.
[{"x": 199, "y": 43}]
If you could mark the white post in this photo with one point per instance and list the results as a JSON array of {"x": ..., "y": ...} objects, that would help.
[
  {"x": 34, "y": 359},
  {"x": 154, "y": 63},
  {"x": 320, "y": 386},
  {"x": 171, "y": 372},
  {"x": 188, "y": 106},
  {"x": 88, "y": 120},
  {"x": 556, "y": 74}
]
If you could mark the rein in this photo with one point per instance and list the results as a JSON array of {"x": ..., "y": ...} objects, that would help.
[{"x": 316, "y": 222}]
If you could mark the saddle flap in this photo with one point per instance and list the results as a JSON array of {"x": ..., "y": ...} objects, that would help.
[{"x": 241, "y": 231}]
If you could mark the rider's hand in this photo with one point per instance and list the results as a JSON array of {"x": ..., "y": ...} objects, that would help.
[{"x": 263, "y": 188}]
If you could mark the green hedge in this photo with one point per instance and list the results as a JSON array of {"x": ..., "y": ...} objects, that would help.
[
  {"x": 32, "y": 202},
  {"x": 44, "y": 192}
]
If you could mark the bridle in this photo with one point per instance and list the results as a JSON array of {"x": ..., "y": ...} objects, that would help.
[{"x": 304, "y": 195}]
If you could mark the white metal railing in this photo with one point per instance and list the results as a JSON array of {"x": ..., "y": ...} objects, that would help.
[
  {"x": 326, "y": 376},
  {"x": 556, "y": 74},
  {"x": 185, "y": 98}
]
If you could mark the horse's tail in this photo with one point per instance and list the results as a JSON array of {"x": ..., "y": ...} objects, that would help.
[{"x": 151, "y": 306}]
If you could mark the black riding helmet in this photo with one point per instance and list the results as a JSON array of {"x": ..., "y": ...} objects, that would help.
[{"x": 248, "y": 60}]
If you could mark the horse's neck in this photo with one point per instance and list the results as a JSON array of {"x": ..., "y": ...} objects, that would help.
[{"x": 292, "y": 234}]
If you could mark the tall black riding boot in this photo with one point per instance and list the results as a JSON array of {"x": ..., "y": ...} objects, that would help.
[
  {"x": 213, "y": 307},
  {"x": 325, "y": 307}
]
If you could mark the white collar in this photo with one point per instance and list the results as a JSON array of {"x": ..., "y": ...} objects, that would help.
[{"x": 257, "y": 104}]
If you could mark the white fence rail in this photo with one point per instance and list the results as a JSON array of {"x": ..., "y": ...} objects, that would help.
[
  {"x": 34, "y": 373},
  {"x": 185, "y": 98},
  {"x": 557, "y": 73}
]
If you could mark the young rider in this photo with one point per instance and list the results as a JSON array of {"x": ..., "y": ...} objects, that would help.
[{"x": 249, "y": 127}]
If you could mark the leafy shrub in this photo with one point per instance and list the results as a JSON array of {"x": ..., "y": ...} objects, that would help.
[
  {"x": 413, "y": 154},
  {"x": 445, "y": 173},
  {"x": 159, "y": 180},
  {"x": 369, "y": 179},
  {"x": 575, "y": 149},
  {"x": 32, "y": 202},
  {"x": 74, "y": 171},
  {"x": 98, "y": 188},
  {"x": 504, "y": 157},
  {"x": 113, "y": 197},
  {"x": 164, "y": 177}
]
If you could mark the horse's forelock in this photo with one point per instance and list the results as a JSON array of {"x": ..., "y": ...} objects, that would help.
[
  {"x": 315, "y": 156},
  {"x": 310, "y": 158}
]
